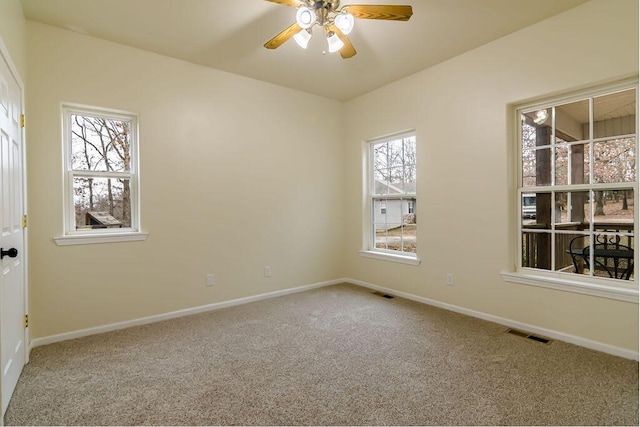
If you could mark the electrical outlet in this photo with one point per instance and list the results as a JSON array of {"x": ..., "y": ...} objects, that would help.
[
  {"x": 211, "y": 279},
  {"x": 267, "y": 271},
  {"x": 449, "y": 279}
]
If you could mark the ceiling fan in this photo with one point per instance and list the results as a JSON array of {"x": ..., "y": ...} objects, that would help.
[{"x": 335, "y": 21}]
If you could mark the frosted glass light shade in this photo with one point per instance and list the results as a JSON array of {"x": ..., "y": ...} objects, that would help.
[
  {"x": 335, "y": 44},
  {"x": 345, "y": 22},
  {"x": 305, "y": 17},
  {"x": 302, "y": 38},
  {"x": 541, "y": 116}
]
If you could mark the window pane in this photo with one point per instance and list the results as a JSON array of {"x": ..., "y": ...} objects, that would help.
[
  {"x": 579, "y": 164},
  {"x": 381, "y": 214},
  {"x": 536, "y": 167},
  {"x": 572, "y": 121},
  {"x": 536, "y": 128},
  {"x": 396, "y": 180},
  {"x": 409, "y": 238},
  {"x": 101, "y": 202},
  {"x": 562, "y": 165},
  {"x": 100, "y": 144},
  {"x": 389, "y": 236},
  {"x": 410, "y": 150},
  {"x": 614, "y": 210},
  {"x": 410, "y": 179},
  {"x": 614, "y": 160},
  {"x": 396, "y": 153},
  {"x": 389, "y": 212},
  {"x": 410, "y": 165},
  {"x": 380, "y": 154},
  {"x": 394, "y": 167},
  {"x": 380, "y": 185},
  {"x": 528, "y": 208},
  {"x": 409, "y": 225},
  {"x": 613, "y": 253},
  {"x": 395, "y": 224},
  {"x": 528, "y": 133},
  {"x": 614, "y": 114},
  {"x": 396, "y": 237},
  {"x": 528, "y": 168},
  {"x": 543, "y": 166},
  {"x": 579, "y": 249},
  {"x": 536, "y": 211},
  {"x": 572, "y": 210},
  {"x": 536, "y": 250},
  {"x": 570, "y": 253},
  {"x": 604, "y": 255}
]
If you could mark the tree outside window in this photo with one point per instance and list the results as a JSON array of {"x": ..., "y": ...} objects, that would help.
[
  {"x": 393, "y": 194},
  {"x": 101, "y": 170}
]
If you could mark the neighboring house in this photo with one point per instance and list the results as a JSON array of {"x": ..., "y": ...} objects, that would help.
[{"x": 394, "y": 212}]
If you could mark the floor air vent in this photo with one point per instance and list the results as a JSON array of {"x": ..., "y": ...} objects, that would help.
[
  {"x": 383, "y": 295},
  {"x": 528, "y": 336}
]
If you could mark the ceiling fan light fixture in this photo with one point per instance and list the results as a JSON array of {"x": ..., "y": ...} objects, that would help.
[
  {"x": 335, "y": 44},
  {"x": 302, "y": 38},
  {"x": 345, "y": 22},
  {"x": 335, "y": 22},
  {"x": 305, "y": 17},
  {"x": 541, "y": 116}
]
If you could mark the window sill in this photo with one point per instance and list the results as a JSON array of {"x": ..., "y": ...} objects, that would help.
[
  {"x": 403, "y": 259},
  {"x": 90, "y": 239},
  {"x": 580, "y": 287}
]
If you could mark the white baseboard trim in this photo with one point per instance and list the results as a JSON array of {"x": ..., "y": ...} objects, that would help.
[
  {"x": 560, "y": 336},
  {"x": 572, "y": 339},
  {"x": 174, "y": 314}
]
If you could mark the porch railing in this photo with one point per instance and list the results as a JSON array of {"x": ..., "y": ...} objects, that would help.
[{"x": 536, "y": 246}]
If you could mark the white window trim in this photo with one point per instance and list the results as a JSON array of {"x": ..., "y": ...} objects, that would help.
[
  {"x": 369, "y": 250},
  {"x": 71, "y": 236},
  {"x": 594, "y": 286},
  {"x": 96, "y": 238},
  {"x": 586, "y": 287},
  {"x": 388, "y": 256}
]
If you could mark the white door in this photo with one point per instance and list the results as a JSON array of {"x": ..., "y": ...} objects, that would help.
[{"x": 12, "y": 271}]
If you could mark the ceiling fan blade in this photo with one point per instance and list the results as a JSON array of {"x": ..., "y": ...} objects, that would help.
[
  {"x": 292, "y": 3},
  {"x": 347, "y": 50},
  {"x": 379, "y": 11},
  {"x": 283, "y": 36}
]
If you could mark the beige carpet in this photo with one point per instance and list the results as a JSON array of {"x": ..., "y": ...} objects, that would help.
[{"x": 333, "y": 356}]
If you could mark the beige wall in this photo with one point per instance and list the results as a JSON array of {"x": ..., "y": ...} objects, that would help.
[
  {"x": 12, "y": 32},
  {"x": 236, "y": 174},
  {"x": 465, "y": 178}
]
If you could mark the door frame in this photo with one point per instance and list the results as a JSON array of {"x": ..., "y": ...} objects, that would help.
[{"x": 5, "y": 56}]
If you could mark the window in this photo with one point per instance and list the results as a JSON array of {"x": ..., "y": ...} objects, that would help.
[
  {"x": 101, "y": 174},
  {"x": 578, "y": 187},
  {"x": 392, "y": 196}
]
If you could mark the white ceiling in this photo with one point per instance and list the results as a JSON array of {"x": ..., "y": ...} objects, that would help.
[{"x": 229, "y": 35}]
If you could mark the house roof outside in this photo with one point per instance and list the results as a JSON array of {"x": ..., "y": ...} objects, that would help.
[{"x": 383, "y": 187}]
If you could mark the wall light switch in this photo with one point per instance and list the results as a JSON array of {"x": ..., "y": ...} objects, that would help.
[
  {"x": 211, "y": 279},
  {"x": 449, "y": 279}
]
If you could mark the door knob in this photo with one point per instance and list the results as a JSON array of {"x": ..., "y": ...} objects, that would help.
[{"x": 11, "y": 253}]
